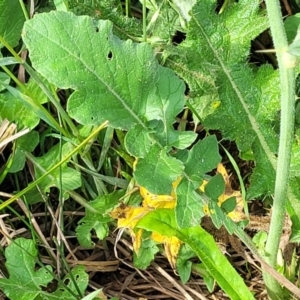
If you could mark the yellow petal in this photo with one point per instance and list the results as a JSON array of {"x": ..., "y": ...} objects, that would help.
[
  {"x": 156, "y": 237},
  {"x": 128, "y": 216},
  {"x": 202, "y": 186},
  {"x": 159, "y": 203},
  {"x": 137, "y": 240},
  {"x": 237, "y": 216},
  {"x": 221, "y": 170},
  {"x": 206, "y": 210},
  {"x": 172, "y": 246},
  {"x": 153, "y": 197},
  {"x": 156, "y": 201}
]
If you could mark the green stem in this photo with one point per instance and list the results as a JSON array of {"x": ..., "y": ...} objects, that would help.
[
  {"x": 286, "y": 63},
  {"x": 24, "y": 9},
  {"x": 144, "y": 21}
]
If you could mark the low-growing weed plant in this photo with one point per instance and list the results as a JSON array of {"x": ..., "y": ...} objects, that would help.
[{"x": 120, "y": 107}]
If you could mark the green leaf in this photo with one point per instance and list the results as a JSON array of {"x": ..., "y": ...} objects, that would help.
[
  {"x": 167, "y": 136},
  {"x": 138, "y": 141},
  {"x": 157, "y": 171},
  {"x": 97, "y": 221},
  {"x": 260, "y": 239},
  {"x": 146, "y": 253},
  {"x": 34, "y": 107},
  {"x": 4, "y": 78},
  {"x": 167, "y": 101},
  {"x": 124, "y": 26},
  {"x": 219, "y": 218},
  {"x": 229, "y": 205},
  {"x": 6, "y": 61},
  {"x": 208, "y": 279},
  {"x": 294, "y": 190},
  {"x": 294, "y": 47},
  {"x": 25, "y": 281},
  {"x": 184, "y": 7},
  {"x": 202, "y": 243},
  {"x": 203, "y": 157},
  {"x": 183, "y": 264},
  {"x": 189, "y": 207},
  {"x": 11, "y": 21},
  {"x": 291, "y": 25},
  {"x": 34, "y": 90},
  {"x": 70, "y": 178},
  {"x": 215, "y": 187},
  {"x": 184, "y": 268},
  {"x": 82, "y": 280},
  {"x": 110, "y": 77},
  {"x": 33, "y": 195},
  {"x": 136, "y": 92},
  {"x": 61, "y": 5},
  {"x": 98, "y": 64},
  {"x": 26, "y": 143},
  {"x": 215, "y": 62},
  {"x": 12, "y": 109}
]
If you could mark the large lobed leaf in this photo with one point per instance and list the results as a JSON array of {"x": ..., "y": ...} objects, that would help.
[
  {"x": 82, "y": 54},
  {"x": 227, "y": 93},
  {"x": 216, "y": 51},
  {"x": 113, "y": 80}
]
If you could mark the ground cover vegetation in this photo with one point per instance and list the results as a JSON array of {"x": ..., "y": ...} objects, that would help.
[{"x": 137, "y": 137}]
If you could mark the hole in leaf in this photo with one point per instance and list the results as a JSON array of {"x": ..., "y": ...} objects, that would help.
[
  {"x": 109, "y": 55},
  {"x": 178, "y": 38},
  {"x": 51, "y": 287},
  {"x": 97, "y": 29},
  {"x": 187, "y": 89}
]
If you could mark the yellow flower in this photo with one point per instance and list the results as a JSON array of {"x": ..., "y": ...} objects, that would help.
[
  {"x": 128, "y": 217},
  {"x": 237, "y": 214},
  {"x": 172, "y": 246}
]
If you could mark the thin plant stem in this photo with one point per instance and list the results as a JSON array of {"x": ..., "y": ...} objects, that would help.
[
  {"x": 127, "y": 8},
  {"x": 24, "y": 9},
  {"x": 286, "y": 63},
  {"x": 144, "y": 21}
]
